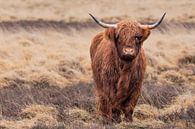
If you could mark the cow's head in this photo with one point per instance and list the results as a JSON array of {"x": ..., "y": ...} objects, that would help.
[{"x": 128, "y": 36}]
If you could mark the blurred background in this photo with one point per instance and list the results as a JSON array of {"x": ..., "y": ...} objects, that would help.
[{"x": 45, "y": 69}]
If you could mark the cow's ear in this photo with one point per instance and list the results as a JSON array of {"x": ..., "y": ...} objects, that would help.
[
  {"x": 146, "y": 33},
  {"x": 110, "y": 34}
]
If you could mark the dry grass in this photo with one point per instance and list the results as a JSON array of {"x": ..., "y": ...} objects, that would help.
[
  {"x": 78, "y": 10},
  {"x": 45, "y": 73},
  {"x": 45, "y": 54}
]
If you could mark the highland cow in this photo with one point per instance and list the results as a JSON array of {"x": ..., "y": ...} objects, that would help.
[{"x": 118, "y": 65}]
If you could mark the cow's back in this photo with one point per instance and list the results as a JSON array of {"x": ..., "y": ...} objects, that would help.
[{"x": 94, "y": 44}]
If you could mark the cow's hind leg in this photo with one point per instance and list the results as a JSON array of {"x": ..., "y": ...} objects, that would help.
[{"x": 130, "y": 103}]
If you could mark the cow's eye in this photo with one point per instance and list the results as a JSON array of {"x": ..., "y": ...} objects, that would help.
[{"x": 138, "y": 38}]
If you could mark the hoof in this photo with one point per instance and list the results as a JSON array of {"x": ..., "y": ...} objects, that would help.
[{"x": 128, "y": 119}]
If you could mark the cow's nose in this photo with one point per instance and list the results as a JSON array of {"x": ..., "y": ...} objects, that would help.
[{"x": 129, "y": 51}]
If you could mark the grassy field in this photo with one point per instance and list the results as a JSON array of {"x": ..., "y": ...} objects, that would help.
[{"x": 45, "y": 71}]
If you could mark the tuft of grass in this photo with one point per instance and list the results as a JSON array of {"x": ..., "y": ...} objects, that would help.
[{"x": 78, "y": 114}]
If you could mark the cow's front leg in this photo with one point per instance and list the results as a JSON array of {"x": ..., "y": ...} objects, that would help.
[
  {"x": 130, "y": 103},
  {"x": 121, "y": 91},
  {"x": 116, "y": 115},
  {"x": 128, "y": 112}
]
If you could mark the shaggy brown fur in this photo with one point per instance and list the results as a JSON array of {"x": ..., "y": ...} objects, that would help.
[{"x": 118, "y": 64}]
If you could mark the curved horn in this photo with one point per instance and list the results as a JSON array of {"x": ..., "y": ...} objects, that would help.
[
  {"x": 102, "y": 24},
  {"x": 155, "y": 24}
]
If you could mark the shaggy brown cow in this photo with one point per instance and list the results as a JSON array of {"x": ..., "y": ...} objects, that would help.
[{"x": 118, "y": 64}]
